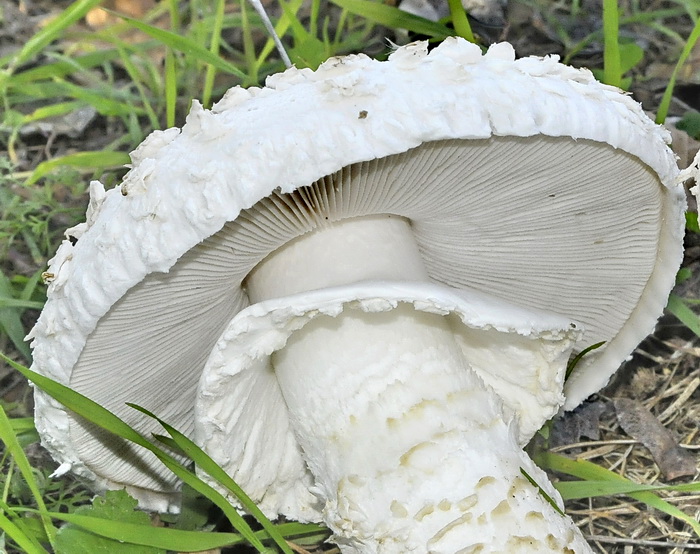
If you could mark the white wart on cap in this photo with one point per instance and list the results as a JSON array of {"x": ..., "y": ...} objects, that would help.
[{"x": 525, "y": 180}]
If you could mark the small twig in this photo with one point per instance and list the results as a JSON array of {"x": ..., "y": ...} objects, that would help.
[
  {"x": 687, "y": 391},
  {"x": 639, "y": 542},
  {"x": 258, "y": 7},
  {"x": 297, "y": 548},
  {"x": 582, "y": 444}
]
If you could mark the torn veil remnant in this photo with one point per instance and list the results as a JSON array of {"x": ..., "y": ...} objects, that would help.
[{"x": 378, "y": 309}]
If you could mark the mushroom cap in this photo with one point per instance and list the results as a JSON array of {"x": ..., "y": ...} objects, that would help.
[{"x": 136, "y": 305}]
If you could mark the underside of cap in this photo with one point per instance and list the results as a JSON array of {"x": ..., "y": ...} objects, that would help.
[{"x": 155, "y": 266}]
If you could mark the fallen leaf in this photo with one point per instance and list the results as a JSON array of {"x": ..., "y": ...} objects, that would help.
[
  {"x": 72, "y": 124},
  {"x": 584, "y": 421},
  {"x": 98, "y": 18},
  {"x": 640, "y": 424}
]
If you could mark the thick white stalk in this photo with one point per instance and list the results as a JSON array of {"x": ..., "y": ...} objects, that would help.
[
  {"x": 371, "y": 248},
  {"x": 410, "y": 450}
]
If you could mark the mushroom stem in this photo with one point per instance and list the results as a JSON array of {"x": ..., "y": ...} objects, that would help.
[
  {"x": 410, "y": 450},
  {"x": 377, "y": 247}
]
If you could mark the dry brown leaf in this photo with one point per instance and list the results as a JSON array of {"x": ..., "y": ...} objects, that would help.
[
  {"x": 98, "y": 18},
  {"x": 582, "y": 422},
  {"x": 639, "y": 423}
]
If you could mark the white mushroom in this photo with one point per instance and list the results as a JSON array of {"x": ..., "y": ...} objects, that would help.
[
  {"x": 384, "y": 428},
  {"x": 523, "y": 187}
]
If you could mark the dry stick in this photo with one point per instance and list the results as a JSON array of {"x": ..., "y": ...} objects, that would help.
[
  {"x": 637, "y": 542},
  {"x": 582, "y": 444},
  {"x": 297, "y": 548},
  {"x": 258, "y": 7},
  {"x": 688, "y": 391}
]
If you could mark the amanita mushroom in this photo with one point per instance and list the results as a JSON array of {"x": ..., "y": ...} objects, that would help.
[{"x": 442, "y": 227}]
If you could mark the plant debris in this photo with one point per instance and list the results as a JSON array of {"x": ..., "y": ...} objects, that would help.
[
  {"x": 583, "y": 422},
  {"x": 642, "y": 425}
]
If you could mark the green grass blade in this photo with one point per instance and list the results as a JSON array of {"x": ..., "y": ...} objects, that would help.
[
  {"x": 542, "y": 492},
  {"x": 588, "y": 489},
  {"x": 148, "y": 535},
  {"x": 203, "y": 460},
  {"x": 80, "y": 404},
  {"x": 24, "y": 429},
  {"x": 281, "y": 29},
  {"x": 174, "y": 12},
  {"x": 102, "y": 98},
  {"x": 683, "y": 312},
  {"x": 24, "y": 540},
  {"x": 589, "y": 471},
  {"x": 668, "y": 93},
  {"x": 212, "y": 494},
  {"x": 583, "y": 469},
  {"x": 654, "y": 501},
  {"x": 60, "y": 69},
  {"x": 313, "y": 17},
  {"x": 22, "y": 304},
  {"x": 612, "y": 72},
  {"x": 68, "y": 66},
  {"x": 290, "y": 12},
  {"x": 102, "y": 417},
  {"x": 22, "y": 424},
  {"x": 54, "y": 110},
  {"x": 394, "y": 18},
  {"x": 170, "y": 538},
  {"x": 169, "y": 442},
  {"x": 13, "y": 447},
  {"x": 136, "y": 79},
  {"x": 270, "y": 29},
  {"x": 10, "y": 317},
  {"x": 83, "y": 160},
  {"x": 308, "y": 50},
  {"x": 460, "y": 21},
  {"x": 184, "y": 45},
  {"x": 573, "y": 362},
  {"x": 170, "y": 88},
  {"x": 52, "y": 31},
  {"x": 214, "y": 49}
]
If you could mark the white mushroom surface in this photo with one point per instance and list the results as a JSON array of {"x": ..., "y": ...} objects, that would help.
[
  {"x": 525, "y": 181},
  {"x": 400, "y": 444}
]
